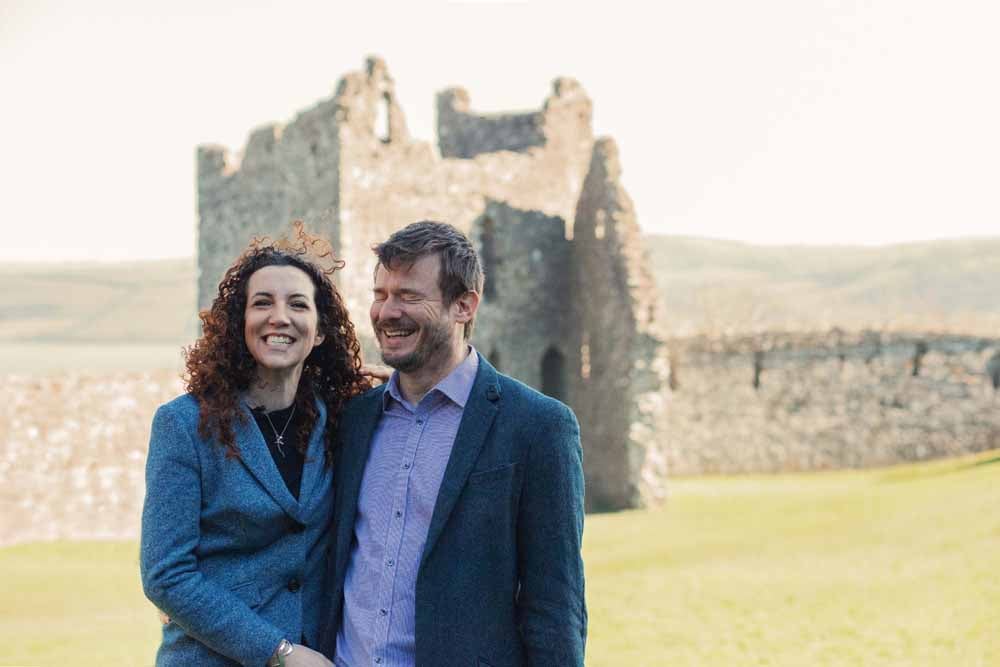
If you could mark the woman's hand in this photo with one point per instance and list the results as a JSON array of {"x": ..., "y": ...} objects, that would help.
[
  {"x": 304, "y": 656},
  {"x": 374, "y": 371}
]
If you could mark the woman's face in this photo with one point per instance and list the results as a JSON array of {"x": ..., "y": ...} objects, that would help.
[{"x": 280, "y": 321}]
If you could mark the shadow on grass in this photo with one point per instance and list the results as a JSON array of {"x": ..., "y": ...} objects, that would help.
[
  {"x": 984, "y": 462},
  {"x": 940, "y": 467}
]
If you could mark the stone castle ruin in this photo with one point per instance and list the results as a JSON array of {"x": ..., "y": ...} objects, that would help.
[{"x": 570, "y": 305}]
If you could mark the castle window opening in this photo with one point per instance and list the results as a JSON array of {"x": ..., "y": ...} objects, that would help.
[
  {"x": 488, "y": 252},
  {"x": 382, "y": 119},
  {"x": 993, "y": 370},
  {"x": 758, "y": 367},
  {"x": 554, "y": 374},
  {"x": 599, "y": 225},
  {"x": 919, "y": 350},
  {"x": 494, "y": 359}
]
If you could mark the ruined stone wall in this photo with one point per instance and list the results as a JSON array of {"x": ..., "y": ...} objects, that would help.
[
  {"x": 464, "y": 134},
  {"x": 834, "y": 400},
  {"x": 526, "y": 312},
  {"x": 512, "y": 182},
  {"x": 624, "y": 381},
  {"x": 284, "y": 173}
]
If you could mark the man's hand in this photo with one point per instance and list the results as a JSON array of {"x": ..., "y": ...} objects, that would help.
[{"x": 303, "y": 656}]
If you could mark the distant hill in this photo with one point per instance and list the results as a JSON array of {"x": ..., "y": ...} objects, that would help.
[
  {"x": 151, "y": 302},
  {"x": 707, "y": 285},
  {"x": 718, "y": 285}
]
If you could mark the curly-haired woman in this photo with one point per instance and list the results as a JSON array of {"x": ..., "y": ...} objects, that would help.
[{"x": 236, "y": 522}]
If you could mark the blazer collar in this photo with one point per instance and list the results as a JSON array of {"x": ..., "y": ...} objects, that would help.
[
  {"x": 480, "y": 411},
  {"x": 258, "y": 460}
]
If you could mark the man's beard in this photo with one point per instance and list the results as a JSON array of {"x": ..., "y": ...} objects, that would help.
[{"x": 437, "y": 340}]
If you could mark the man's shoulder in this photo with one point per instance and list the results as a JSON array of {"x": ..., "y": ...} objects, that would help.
[{"x": 529, "y": 402}]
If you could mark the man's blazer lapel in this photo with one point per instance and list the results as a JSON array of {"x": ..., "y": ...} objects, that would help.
[
  {"x": 358, "y": 430},
  {"x": 258, "y": 460},
  {"x": 477, "y": 418}
]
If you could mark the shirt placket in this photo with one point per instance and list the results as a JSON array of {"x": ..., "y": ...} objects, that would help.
[{"x": 395, "y": 533}]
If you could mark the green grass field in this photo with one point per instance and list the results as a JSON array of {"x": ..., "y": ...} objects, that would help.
[{"x": 887, "y": 567}]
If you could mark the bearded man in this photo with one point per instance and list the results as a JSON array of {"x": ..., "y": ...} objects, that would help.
[{"x": 459, "y": 490}]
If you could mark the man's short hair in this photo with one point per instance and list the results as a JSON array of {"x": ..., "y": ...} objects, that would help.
[{"x": 461, "y": 270}]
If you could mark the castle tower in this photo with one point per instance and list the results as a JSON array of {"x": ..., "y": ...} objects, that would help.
[{"x": 514, "y": 182}]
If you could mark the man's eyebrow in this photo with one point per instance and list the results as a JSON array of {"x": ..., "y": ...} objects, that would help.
[{"x": 402, "y": 290}]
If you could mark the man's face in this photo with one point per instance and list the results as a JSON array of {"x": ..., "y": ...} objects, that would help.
[{"x": 410, "y": 320}]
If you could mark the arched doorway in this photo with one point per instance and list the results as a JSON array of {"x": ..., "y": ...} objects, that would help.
[{"x": 554, "y": 374}]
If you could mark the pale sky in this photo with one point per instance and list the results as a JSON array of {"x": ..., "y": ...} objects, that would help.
[{"x": 794, "y": 121}]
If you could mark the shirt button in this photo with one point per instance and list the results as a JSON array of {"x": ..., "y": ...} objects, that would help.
[
  {"x": 419, "y": 422},
  {"x": 391, "y": 562},
  {"x": 378, "y": 659},
  {"x": 383, "y": 611},
  {"x": 406, "y": 466},
  {"x": 398, "y": 514}
]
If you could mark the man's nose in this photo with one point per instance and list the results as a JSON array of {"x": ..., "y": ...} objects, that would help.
[{"x": 389, "y": 310}]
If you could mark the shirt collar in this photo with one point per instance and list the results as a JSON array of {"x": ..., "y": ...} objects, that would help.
[{"x": 457, "y": 385}]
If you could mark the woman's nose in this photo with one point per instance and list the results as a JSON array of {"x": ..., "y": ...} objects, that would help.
[{"x": 279, "y": 315}]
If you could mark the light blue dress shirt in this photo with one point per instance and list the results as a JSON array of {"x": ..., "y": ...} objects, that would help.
[{"x": 407, "y": 461}]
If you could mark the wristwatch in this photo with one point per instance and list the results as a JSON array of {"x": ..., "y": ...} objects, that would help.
[{"x": 284, "y": 650}]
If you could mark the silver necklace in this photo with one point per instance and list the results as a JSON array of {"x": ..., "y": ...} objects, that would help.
[{"x": 279, "y": 437}]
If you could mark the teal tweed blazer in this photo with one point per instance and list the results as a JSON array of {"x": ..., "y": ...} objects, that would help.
[{"x": 227, "y": 552}]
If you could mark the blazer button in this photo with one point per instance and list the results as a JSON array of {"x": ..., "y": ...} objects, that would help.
[
  {"x": 298, "y": 527},
  {"x": 294, "y": 585}
]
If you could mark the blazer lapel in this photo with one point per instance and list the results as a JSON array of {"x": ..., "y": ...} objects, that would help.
[
  {"x": 477, "y": 418},
  {"x": 356, "y": 443},
  {"x": 260, "y": 463},
  {"x": 315, "y": 464}
]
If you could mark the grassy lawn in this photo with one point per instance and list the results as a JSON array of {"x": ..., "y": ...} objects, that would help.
[{"x": 888, "y": 567}]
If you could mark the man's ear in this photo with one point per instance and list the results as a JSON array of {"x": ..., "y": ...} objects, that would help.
[{"x": 465, "y": 306}]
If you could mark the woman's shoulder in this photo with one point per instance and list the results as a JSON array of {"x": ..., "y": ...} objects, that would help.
[{"x": 184, "y": 408}]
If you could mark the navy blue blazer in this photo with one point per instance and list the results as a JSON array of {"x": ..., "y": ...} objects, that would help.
[
  {"x": 501, "y": 577},
  {"x": 227, "y": 552}
]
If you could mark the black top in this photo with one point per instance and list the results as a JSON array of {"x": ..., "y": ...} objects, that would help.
[{"x": 287, "y": 457}]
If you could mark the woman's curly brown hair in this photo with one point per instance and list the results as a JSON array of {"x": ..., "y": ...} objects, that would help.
[{"x": 219, "y": 367}]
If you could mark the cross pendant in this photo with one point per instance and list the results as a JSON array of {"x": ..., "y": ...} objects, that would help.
[{"x": 279, "y": 442}]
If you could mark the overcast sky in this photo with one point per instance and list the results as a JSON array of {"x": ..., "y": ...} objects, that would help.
[{"x": 795, "y": 121}]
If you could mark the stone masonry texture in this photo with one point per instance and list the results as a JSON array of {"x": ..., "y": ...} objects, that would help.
[{"x": 829, "y": 400}]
